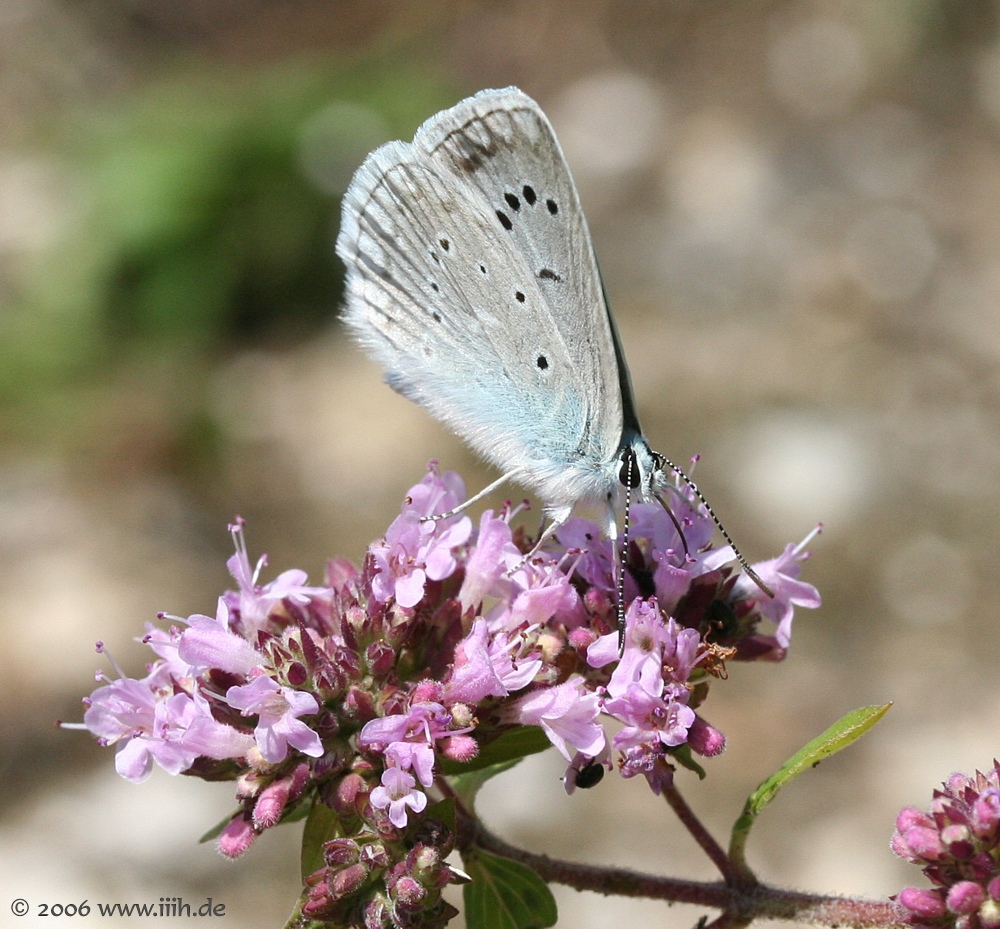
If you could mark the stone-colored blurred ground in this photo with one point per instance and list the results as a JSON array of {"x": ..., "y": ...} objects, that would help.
[{"x": 797, "y": 210}]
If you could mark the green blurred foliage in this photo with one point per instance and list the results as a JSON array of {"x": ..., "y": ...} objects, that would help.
[{"x": 196, "y": 231}]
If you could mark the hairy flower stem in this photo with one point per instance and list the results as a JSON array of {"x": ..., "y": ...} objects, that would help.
[
  {"x": 705, "y": 840},
  {"x": 739, "y": 905}
]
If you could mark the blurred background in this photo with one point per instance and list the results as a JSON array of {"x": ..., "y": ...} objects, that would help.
[{"x": 796, "y": 205}]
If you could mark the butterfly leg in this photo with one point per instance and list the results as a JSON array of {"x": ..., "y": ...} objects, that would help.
[
  {"x": 462, "y": 507},
  {"x": 557, "y": 519}
]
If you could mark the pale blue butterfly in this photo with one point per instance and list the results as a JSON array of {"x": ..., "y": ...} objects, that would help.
[{"x": 472, "y": 278}]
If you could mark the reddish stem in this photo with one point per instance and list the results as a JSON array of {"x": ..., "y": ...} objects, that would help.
[
  {"x": 704, "y": 838},
  {"x": 739, "y": 904}
]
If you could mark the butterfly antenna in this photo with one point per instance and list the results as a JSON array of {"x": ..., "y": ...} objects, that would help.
[
  {"x": 677, "y": 525},
  {"x": 715, "y": 519}
]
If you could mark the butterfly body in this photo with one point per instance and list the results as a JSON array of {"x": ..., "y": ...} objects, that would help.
[{"x": 472, "y": 279}]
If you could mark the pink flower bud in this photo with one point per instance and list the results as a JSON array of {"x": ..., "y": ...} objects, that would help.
[
  {"x": 965, "y": 897},
  {"x": 899, "y": 847},
  {"x": 249, "y": 784},
  {"x": 344, "y": 799},
  {"x": 271, "y": 804},
  {"x": 426, "y": 691},
  {"x": 348, "y": 880},
  {"x": 958, "y": 841},
  {"x": 319, "y": 905},
  {"x": 425, "y": 860},
  {"x": 926, "y": 904},
  {"x": 993, "y": 888},
  {"x": 340, "y": 852},
  {"x": 923, "y": 844},
  {"x": 376, "y": 914},
  {"x": 956, "y": 783},
  {"x": 597, "y": 601},
  {"x": 375, "y": 855},
  {"x": 550, "y": 645},
  {"x": 582, "y": 638},
  {"x": 705, "y": 739},
  {"x": 986, "y": 813},
  {"x": 237, "y": 836},
  {"x": 910, "y": 816},
  {"x": 408, "y": 893},
  {"x": 460, "y": 748},
  {"x": 275, "y": 797}
]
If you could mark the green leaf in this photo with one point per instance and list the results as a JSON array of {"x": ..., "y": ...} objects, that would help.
[
  {"x": 468, "y": 785},
  {"x": 505, "y": 894},
  {"x": 843, "y": 732},
  {"x": 682, "y": 755},
  {"x": 496, "y": 757},
  {"x": 299, "y": 811},
  {"x": 512, "y": 745},
  {"x": 321, "y": 826}
]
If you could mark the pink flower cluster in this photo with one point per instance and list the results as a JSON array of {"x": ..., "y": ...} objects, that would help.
[
  {"x": 354, "y": 694},
  {"x": 958, "y": 845}
]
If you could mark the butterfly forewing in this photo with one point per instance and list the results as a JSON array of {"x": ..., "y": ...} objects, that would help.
[
  {"x": 501, "y": 142},
  {"x": 495, "y": 324}
]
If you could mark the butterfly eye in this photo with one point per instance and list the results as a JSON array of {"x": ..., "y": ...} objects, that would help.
[{"x": 628, "y": 473}]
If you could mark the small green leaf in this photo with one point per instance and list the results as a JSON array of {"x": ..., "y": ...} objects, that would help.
[
  {"x": 682, "y": 755},
  {"x": 468, "y": 785},
  {"x": 843, "y": 732},
  {"x": 321, "y": 826},
  {"x": 512, "y": 745},
  {"x": 498, "y": 756},
  {"x": 300, "y": 811},
  {"x": 505, "y": 894}
]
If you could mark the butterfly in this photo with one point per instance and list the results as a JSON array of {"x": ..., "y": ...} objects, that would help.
[{"x": 471, "y": 277}]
